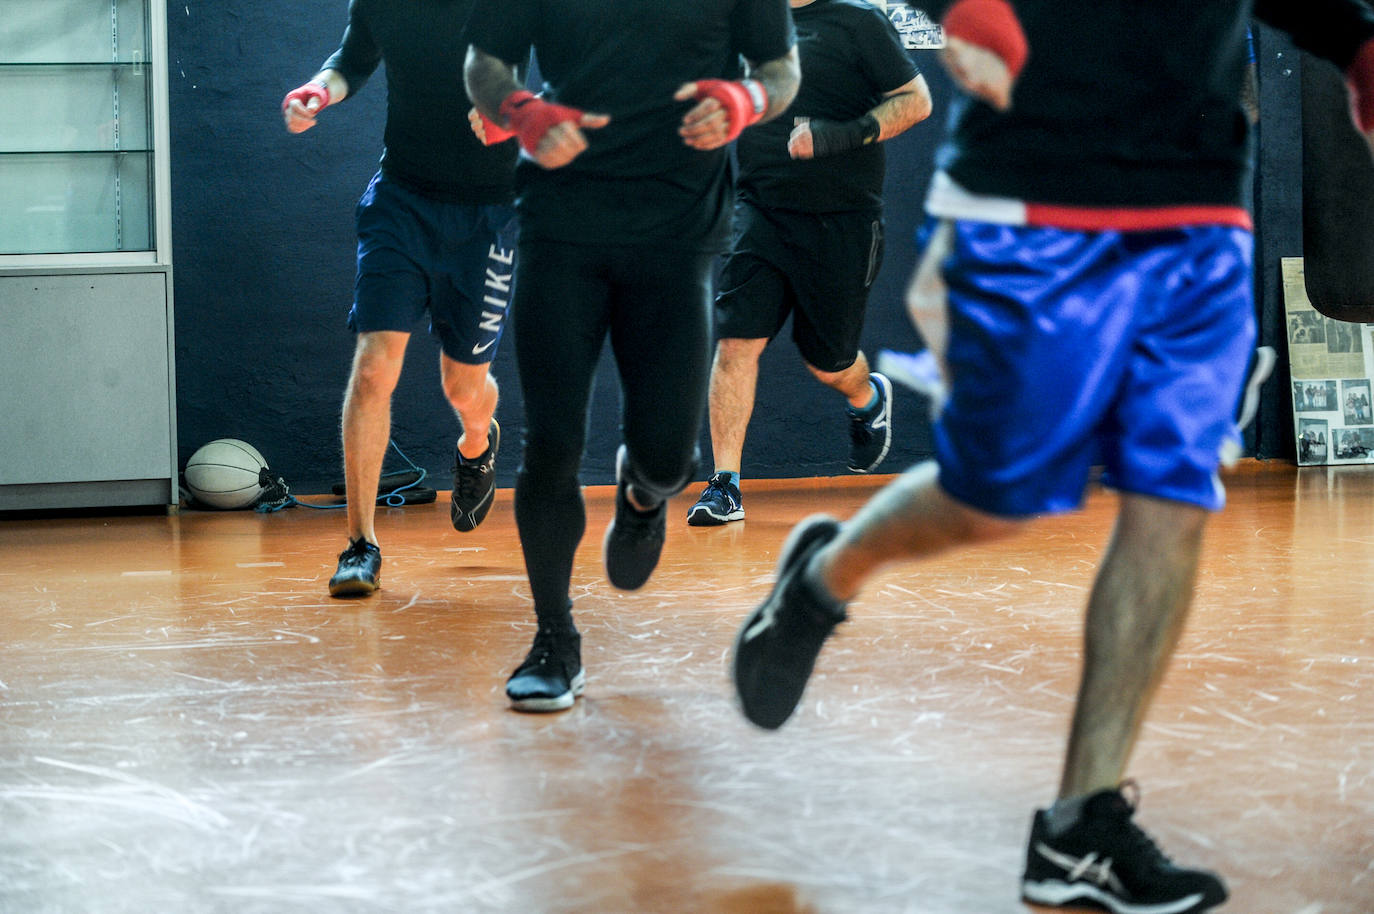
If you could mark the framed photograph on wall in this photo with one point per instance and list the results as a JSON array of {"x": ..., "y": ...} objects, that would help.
[{"x": 1331, "y": 364}]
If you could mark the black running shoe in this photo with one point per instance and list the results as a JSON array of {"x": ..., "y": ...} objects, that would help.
[
  {"x": 551, "y": 677},
  {"x": 1105, "y": 860},
  {"x": 719, "y": 503},
  {"x": 474, "y": 484},
  {"x": 870, "y": 437},
  {"x": 777, "y": 646},
  {"x": 634, "y": 539},
  {"x": 359, "y": 572}
]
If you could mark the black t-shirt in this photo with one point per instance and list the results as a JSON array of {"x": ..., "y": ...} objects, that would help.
[
  {"x": 851, "y": 55},
  {"x": 1130, "y": 104},
  {"x": 430, "y": 148},
  {"x": 637, "y": 181}
]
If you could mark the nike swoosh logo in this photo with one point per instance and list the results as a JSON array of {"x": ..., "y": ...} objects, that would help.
[{"x": 478, "y": 350}]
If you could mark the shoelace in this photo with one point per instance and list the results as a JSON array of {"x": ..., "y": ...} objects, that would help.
[
  {"x": 720, "y": 485},
  {"x": 542, "y": 651},
  {"x": 471, "y": 478},
  {"x": 356, "y": 552},
  {"x": 1137, "y": 840}
]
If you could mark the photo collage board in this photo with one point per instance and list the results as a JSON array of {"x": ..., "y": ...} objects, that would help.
[{"x": 1331, "y": 368}]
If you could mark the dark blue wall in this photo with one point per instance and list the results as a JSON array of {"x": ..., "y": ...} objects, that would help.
[{"x": 263, "y": 253}]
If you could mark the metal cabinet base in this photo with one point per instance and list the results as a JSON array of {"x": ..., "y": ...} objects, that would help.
[{"x": 87, "y": 397}]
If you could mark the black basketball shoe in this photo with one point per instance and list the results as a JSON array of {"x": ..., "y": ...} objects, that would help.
[
  {"x": 777, "y": 646},
  {"x": 719, "y": 503},
  {"x": 634, "y": 538},
  {"x": 870, "y": 433},
  {"x": 1104, "y": 860},
  {"x": 359, "y": 572},
  {"x": 474, "y": 483},
  {"x": 551, "y": 677}
]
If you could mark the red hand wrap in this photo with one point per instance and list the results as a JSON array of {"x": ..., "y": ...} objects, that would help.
[
  {"x": 1359, "y": 76},
  {"x": 735, "y": 99},
  {"x": 990, "y": 24},
  {"x": 493, "y": 132},
  {"x": 317, "y": 91},
  {"x": 530, "y": 117}
]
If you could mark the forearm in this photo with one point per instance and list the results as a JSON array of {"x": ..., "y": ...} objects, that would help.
[
  {"x": 780, "y": 78},
  {"x": 902, "y": 109},
  {"x": 489, "y": 80}
]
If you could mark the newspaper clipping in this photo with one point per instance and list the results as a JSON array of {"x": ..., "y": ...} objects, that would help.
[
  {"x": 919, "y": 32},
  {"x": 1332, "y": 369}
]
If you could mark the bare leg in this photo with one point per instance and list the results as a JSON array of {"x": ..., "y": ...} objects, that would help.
[
  {"x": 734, "y": 377},
  {"x": 473, "y": 393},
  {"x": 377, "y": 361},
  {"x": 910, "y": 518},
  {"x": 1135, "y": 616},
  {"x": 852, "y": 382}
]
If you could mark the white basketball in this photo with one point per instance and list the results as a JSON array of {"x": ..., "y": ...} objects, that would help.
[{"x": 226, "y": 473}]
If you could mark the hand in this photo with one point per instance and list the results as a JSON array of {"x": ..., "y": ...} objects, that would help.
[
  {"x": 1359, "y": 79},
  {"x": 979, "y": 71},
  {"x": 985, "y": 48},
  {"x": 800, "y": 144},
  {"x": 550, "y": 134},
  {"x": 487, "y": 131},
  {"x": 302, "y": 104},
  {"x": 725, "y": 109}
]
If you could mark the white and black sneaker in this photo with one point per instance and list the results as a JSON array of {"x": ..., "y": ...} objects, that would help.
[
  {"x": 1104, "y": 860},
  {"x": 870, "y": 432},
  {"x": 551, "y": 677},
  {"x": 720, "y": 503},
  {"x": 474, "y": 483}
]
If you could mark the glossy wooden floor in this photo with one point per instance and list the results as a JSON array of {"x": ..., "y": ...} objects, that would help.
[{"x": 191, "y": 725}]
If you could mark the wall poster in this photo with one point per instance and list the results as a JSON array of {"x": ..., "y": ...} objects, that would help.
[{"x": 1331, "y": 367}]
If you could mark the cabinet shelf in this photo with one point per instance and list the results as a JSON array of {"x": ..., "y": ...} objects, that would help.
[
  {"x": 71, "y": 64},
  {"x": 72, "y": 152}
]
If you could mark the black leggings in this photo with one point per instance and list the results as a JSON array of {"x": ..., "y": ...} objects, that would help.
[{"x": 655, "y": 303}]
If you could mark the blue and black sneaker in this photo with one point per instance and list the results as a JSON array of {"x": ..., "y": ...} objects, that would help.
[{"x": 719, "y": 503}]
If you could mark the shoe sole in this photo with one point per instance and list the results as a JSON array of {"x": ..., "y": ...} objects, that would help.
[
  {"x": 886, "y": 386},
  {"x": 467, "y": 521},
  {"x": 554, "y": 703},
  {"x": 702, "y": 516},
  {"x": 354, "y": 587},
  {"x": 1057, "y": 894}
]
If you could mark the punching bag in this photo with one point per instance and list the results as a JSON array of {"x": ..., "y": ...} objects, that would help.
[{"x": 1337, "y": 199}]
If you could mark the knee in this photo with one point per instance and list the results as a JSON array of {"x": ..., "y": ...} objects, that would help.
[
  {"x": 469, "y": 390},
  {"x": 375, "y": 372},
  {"x": 659, "y": 483},
  {"x": 973, "y": 527},
  {"x": 550, "y": 461}
]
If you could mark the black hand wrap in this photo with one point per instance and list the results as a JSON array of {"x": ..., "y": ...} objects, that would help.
[{"x": 829, "y": 138}]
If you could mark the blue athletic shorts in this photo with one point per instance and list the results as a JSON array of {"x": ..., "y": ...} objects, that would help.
[
  {"x": 454, "y": 260},
  {"x": 1069, "y": 349}
]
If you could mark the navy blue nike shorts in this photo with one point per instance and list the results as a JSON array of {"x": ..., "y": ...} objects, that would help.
[
  {"x": 454, "y": 260},
  {"x": 1069, "y": 349}
]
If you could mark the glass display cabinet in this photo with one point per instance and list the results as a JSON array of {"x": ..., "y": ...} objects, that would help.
[{"x": 87, "y": 392}]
